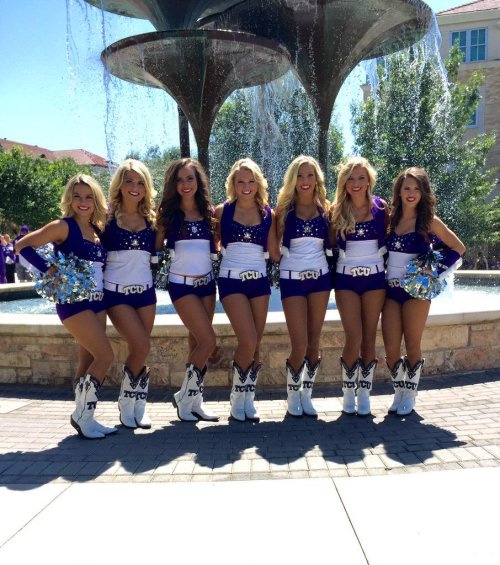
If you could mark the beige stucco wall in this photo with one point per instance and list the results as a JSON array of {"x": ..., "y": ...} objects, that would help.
[{"x": 38, "y": 349}]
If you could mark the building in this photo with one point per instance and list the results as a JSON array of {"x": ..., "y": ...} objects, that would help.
[
  {"x": 475, "y": 26},
  {"x": 80, "y": 156}
]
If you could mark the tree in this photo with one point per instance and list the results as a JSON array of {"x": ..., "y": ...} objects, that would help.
[
  {"x": 418, "y": 116},
  {"x": 272, "y": 125},
  {"x": 31, "y": 188}
]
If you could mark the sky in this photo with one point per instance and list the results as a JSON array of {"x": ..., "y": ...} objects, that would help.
[{"x": 54, "y": 91}]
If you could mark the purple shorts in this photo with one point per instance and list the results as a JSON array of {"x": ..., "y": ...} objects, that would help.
[
  {"x": 139, "y": 300},
  {"x": 67, "y": 310},
  {"x": 296, "y": 287},
  {"x": 359, "y": 284},
  {"x": 251, "y": 288},
  {"x": 399, "y": 294},
  {"x": 178, "y": 290}
]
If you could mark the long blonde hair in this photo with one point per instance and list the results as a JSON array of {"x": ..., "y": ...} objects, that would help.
[
  {"x": 287, "y": 193},
  {"x": 98, "y": 218},
  {"x": 343, "y": 214},
  {"x": 261, "y": 198},
  {"x": 146, "y": 207}
]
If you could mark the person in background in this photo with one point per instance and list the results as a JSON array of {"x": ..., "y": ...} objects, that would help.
[
  {"x": 22, "y": 268},
  {"x": 358, "y": 222},
  {"x": 248, "y": 236},
  {"x": 3, "y": 277},
  {"x": 412, "y": 229},
  {"x": 10, "y": 259},
  {"x": 83, "y": 207},
  {"x": 129, "y": 294},
  {"x": 305, "y": 281},
  {"x": 481, "y": 262}
]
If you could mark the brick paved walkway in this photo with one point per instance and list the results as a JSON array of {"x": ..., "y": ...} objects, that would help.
[{"x": 457, "y": 426}]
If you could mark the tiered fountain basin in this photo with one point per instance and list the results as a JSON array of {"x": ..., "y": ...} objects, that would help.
[{"x": 461, "y": 335}]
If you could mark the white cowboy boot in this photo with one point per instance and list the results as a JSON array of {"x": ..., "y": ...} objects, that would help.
[
  {"x": 411, "y": 385},
  {"x": 294, "y": 387},
  {"x": 310, "y": 374},
  {"x": 199, "y": 409},
  {"x": 238, "y": 392},
  {"x": 86, "y": 398},
  {"x": 141, "y": 418},
  {"x": 126, "y": 400},
  {"x": 365, "y": 386},
  {"x": 398, "y": 374},
  {"x": 349, "y": 382},
  {"x": 183, "y": 399},
  {"x": 106, "y": 430},
  {"x": 250, "y": 410}
]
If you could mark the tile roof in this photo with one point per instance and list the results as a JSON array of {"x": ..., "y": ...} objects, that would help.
[
  {"x": 80, "y": 156},
  {"x": 478, "y": 6}
]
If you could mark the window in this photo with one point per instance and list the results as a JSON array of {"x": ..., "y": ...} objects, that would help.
[{"x": 472, "y": 43}]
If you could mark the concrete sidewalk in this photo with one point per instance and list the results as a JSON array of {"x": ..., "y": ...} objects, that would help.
[{"x": 361, "y": 494}]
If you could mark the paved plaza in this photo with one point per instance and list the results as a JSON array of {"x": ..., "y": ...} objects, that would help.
[{"x": 375, "y": 490}]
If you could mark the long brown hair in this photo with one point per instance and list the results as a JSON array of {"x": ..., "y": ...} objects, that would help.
[
  {"x": 426, "y": 206},
  {"x": 170, "y": 205}
]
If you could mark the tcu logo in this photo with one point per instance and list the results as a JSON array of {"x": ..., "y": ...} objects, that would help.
[
  {"x": 91, "y": 405},
  {"x": 248, "y": 275},
  {"x": 133, "y": 289},
  {"x": 202, "y": 281},
  {"x": 307, "y": 384},
  {"x": 129, "y": 394},
  {"x": 360, "y": 271},
  {"x": 294, "y": 387},
  {"x": 192, "y": 392},
  {"x": 394, "y": 283},
  {"x": 304, "y": 275},
  {"x": 349, "y": 384},
  {"x": 411, "y": 386},
  {"x": 365, "y": 384},
  {"x": 98, "y": 295}
]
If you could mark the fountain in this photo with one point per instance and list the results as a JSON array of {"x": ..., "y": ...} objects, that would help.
[
  {"x": 38, "y": 349},
  {"x": 324, "y": 39}
]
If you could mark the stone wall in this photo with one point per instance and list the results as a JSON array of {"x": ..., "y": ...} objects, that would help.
[{"x": 37, "y": 349}]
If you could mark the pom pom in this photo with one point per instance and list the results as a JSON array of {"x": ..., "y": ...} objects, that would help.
[
  {"x": 421, "y": 279},
  {"x": 69, "y": 279},
  {"x": 216, "y": 261},
  {"x": 273, "y": 273},
  {"x": 162, "y": 269}
]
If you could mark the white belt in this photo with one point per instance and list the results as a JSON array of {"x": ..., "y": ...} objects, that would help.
[
  {"x": 359, "y": 270},
  {"x": 305, "y": 275},
  {"x": 241, "y": 275},
  {"x": 201, "y": 280},
  {"x": 127, "y": 288}
]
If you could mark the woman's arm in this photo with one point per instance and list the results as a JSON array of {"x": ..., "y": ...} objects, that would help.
[
  {"x": 447, "y": 236},
  {"x": 386, "y": 213},
  {"x": 160, "y": 238},
  {"x": 55, "y": 232},
  {"x": 272, "y": 240},
  {"x": 332, "y": 231},
  {"x": 218, "y": 217}
]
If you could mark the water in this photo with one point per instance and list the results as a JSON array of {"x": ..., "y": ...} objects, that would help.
[{"x": 458, "y": 298}]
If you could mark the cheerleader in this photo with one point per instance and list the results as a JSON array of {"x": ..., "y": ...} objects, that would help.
[
  {"x": 305, "y": 281},
  {"x": 129, "y": 295},
  {"x": 83, "y": 206},
  {"x": 248, "y": 236},
  {"x": 413, "y": 225},
  {"x": 359, "y": 221},
  {"x": 185, "y": 220}
]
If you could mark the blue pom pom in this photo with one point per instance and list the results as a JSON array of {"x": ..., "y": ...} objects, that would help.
[
  {"x": 421, "y": 277},
  {"x": 69, "y": 279}
]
